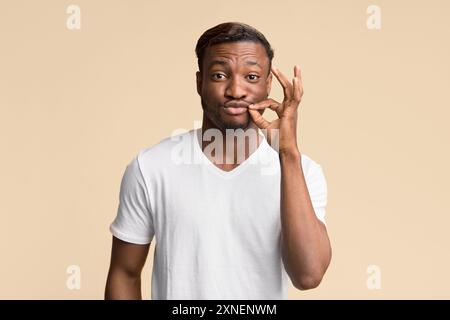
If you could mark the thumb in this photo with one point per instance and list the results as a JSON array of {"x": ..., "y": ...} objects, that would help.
[{"x": 258, "y": 119}]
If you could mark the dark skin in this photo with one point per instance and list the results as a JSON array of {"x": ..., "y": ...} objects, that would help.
[
  {"x": 232, "y": 72},
  {"x": 124, "y": 276},
  {"x": 241, "y": 72},
  {"x": 305, "y": 246}
]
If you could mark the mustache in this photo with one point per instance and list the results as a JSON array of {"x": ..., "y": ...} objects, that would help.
[{"x": 236, "y": 104}]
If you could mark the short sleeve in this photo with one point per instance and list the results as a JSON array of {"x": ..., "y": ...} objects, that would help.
[
  {"x": 133, "y": 222},
  {"x": 317, "y": 187}
]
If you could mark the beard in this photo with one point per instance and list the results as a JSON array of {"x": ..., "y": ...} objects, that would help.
[{"x": 214, "y": 115}]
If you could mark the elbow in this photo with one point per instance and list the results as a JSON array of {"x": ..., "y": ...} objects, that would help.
[
  {"x": 121, "y": 285},
  {"x": 312, "y": 278},
  {"x": 307, "y": 282}
]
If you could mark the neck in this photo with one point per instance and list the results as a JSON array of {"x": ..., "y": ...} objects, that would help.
[{"x": 232, "y": 147}]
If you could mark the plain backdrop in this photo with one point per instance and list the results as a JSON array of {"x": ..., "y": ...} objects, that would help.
[{"x": 77, "y": 105}]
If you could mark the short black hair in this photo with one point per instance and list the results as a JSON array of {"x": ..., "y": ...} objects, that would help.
[{"x": 230, "y": 32}]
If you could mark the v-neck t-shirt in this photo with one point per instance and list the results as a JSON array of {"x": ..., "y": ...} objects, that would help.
[{"x": 217, "y": 233}]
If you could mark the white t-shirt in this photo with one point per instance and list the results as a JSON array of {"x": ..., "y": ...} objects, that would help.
[{"x": 217, "y": 233}]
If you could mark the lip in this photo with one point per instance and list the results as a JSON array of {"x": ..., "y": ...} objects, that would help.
[{"x": 234, "y": 111}]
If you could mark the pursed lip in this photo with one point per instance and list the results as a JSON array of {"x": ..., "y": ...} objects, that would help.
[
  {"x": 235, "y": 107},
  {"x": 236, "y": 104},
  {"x": 234, "y": 111}
]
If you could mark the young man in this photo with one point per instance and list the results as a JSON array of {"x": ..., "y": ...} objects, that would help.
[{"x": 244, "y": 218}]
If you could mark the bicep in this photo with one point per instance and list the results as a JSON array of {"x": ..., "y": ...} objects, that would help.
[{"x": 128, "y": 257}]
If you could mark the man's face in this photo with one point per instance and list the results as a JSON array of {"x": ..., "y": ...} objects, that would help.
[{"x": 234, "y": 76}]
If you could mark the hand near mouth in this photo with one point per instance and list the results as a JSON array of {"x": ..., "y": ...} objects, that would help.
[{"x": 286, "y": 124}]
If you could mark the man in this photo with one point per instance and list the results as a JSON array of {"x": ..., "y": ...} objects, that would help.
[{"x": 224, "y": 227}]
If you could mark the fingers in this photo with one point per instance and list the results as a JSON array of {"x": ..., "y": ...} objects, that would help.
[
  {"x": 287, "y": 86},
  {"x": 292, "y": 91},
  {"x": 269, "y": 103},
  {"x": 297, "y": 84},
  {"x": 258, "y": 119},
  {"x": 296, "y": 71}
]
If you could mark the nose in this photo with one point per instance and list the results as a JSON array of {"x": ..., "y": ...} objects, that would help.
[{"x": 235, "y": 89}]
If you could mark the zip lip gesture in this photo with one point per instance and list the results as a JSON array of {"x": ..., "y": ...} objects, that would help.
[{"x": 287, "y": 111}]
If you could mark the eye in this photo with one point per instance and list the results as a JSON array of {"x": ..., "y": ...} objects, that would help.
[
  {"x": 218, "y": 76},
  {"x": 253, "y": 77}
]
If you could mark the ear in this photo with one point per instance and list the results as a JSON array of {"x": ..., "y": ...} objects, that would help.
[
  {"x": 269, "y": 83},
  {"x": 199, "y": 82}
]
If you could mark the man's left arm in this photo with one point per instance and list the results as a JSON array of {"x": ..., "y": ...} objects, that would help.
[
  {"x": 305, "y": 246},
  {"x": 306, "y": 249}
]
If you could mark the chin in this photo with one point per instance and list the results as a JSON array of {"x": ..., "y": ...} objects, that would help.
[{"x": 236, "y": 124}]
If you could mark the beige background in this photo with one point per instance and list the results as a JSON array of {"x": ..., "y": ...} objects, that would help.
[{"x": 77, "y": 106}]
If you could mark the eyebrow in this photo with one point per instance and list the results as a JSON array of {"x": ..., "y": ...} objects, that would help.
[
  {"x": 225, "y": 63},
  {"x": 253, "y": 63}
]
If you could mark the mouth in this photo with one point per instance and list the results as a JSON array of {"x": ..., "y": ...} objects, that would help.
[
  {"x": 235, "y": 108},
  {"x": 234, "y": 111}
]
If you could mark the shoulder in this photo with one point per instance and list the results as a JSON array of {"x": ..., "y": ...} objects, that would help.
[
  {"x": 309, "y": 165},
  {"x": 313, "y": 172},
  {"x": 161, "y": 154}
]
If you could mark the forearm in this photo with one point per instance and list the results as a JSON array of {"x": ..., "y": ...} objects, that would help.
[
  {"x": 306, "y": 250},
  {"x": 123, "y": 286}
]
